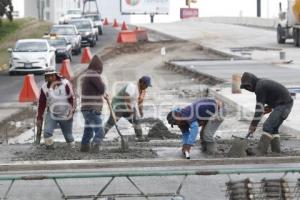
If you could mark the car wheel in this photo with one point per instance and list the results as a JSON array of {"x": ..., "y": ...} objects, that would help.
[
  {"x": 100, "y": 31},
  {"x": 12, "y": 73}
]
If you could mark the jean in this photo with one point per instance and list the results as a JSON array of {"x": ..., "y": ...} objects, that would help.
[
  {"x": 92, "y": 127},
  {"x": 276, "y": 118},
  {"x": 65, "y": 125},
  {"x": 131, "y": 117},
  {"x": 189, "y": 136}
]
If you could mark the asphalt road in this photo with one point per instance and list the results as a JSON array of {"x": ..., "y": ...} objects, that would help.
[{"x": 10, "y": 86}]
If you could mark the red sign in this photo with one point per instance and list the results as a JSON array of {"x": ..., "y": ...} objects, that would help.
[{"x": 188, "y": 13}]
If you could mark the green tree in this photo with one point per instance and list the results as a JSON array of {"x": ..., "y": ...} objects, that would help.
[{"x": 6, "y": 9}]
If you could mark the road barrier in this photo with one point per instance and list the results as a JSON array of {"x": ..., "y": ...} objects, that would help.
[
  {"x": 86, "y": 56},
  {"x": 141, "y": 35},
  {"x": 65, "y": 69},
  {"x": 29, "y": 91},
  {"x": 127, "y": 37}
]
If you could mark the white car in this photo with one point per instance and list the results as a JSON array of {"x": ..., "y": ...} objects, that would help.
[
  {"x": 71, "y": 14},
  {"x": 31, "y": 55}
]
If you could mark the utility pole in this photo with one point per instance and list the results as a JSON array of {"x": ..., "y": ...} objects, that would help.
[{"x": 258, "y": 8}]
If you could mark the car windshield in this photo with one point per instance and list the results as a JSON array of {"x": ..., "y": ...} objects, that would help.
[
  {"x": 74, "y": 12},
  {"x": 57, "y": 42},
  {"x": 31, "y": 47},
  {"x": 63, "y": 30},
  {"x": 81, "y": 24},
  {"x": 93, "y": 17}
]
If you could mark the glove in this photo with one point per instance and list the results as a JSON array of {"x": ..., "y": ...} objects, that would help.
[{"x": 249, "y": 135}]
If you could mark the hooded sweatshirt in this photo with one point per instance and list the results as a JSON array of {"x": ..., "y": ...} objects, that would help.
[
  {"x": 93, "y": 87},
  {"x": 268, "y": 92}
]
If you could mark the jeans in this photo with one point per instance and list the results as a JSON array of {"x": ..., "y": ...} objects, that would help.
[
  {"x": 276, "y": 118},
  {"x": 65, "y": 125},
  {"x": 132, "y": 118},
  {"x": 92, "y": 127}
]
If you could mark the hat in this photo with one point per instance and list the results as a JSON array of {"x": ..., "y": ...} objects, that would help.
[
  {"x": 51, "y": 72},
  {"x": 147, "y": 80}
]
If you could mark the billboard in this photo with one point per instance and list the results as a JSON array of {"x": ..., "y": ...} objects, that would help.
[
  {"x": 145, "y": 6},
  {"x": 188, "y": 13}
]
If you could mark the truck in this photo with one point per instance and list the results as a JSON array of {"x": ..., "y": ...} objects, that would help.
[{"x": 289, "y": 23}]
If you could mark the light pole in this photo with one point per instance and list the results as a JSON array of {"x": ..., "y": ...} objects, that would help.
[{"x": 258, "y": 8}]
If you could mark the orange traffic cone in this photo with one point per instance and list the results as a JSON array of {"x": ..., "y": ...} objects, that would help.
[
  {"x": 105, "y": 21},
  {"x": 86, "y": 56},
  {"x": 115, "y": 24},
  {"x": 65, "y": 70},
  {"x": 30, "y": 91},
  {"x": 124, "y": 26}
]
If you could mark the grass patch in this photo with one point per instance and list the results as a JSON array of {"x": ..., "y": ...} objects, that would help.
[{"x": 25, "y": 28}]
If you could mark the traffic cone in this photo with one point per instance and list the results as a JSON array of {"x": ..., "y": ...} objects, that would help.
[
  {"x": 86, "y": 56},
  {"x": 65, "y": 70},
  {"x": 124, "y": 26},
  {"x": 105, "y": 21},
  {"x": 115, "y": 24},
  {"x": 30, "y": 91}
]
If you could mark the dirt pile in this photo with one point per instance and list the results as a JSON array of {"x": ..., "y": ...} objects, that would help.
[{"x": 159, "y": 129}]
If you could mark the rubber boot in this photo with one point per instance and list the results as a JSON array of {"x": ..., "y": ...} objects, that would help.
[
  {"x": 203, "y": 146},
  {"x": 95, "y": 148},
  {"x": 275, "y": 144},
  {"x": 49, "y": 143},
  {"x": 264, "y": 143},
  {"x": 211, "y": 148},
  {"x": 85, "y": 148},
  {"x": 71, "y": 145}
]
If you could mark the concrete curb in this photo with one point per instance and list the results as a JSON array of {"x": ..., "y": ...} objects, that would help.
[{"x": 106, "y": 164}]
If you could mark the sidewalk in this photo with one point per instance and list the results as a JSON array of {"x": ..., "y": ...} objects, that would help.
[{"x": 232, "y": 40}]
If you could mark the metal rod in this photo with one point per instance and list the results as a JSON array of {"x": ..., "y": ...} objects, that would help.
[
  {"x": 104, "y": 188},
  {"x": 133, "y": 183},
  {"x": 181, "y": 184},
  {"x": 152, "y": 173},
  {"x": 8, "y": 189},
  {"x": 120, "y": 195},
  {"x": 60, "y": 189}
]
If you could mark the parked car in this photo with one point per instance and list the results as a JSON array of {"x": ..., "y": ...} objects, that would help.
[
  {"x": 71, "y": 33},
  {"x": 71, "y": 14},
  {"x": 97, "y": 20},
  {"x": 62, "y": 45},
  {"x": 30, "y": 56},
  {"x": 86, "y": 30}
]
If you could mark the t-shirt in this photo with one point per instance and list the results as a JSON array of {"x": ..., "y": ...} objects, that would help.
[{"x": 130, "y": 91}]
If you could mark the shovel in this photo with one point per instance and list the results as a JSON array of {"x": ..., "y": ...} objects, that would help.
[
  {"x": 124, "y": 144},
  {"x": 238, "y": 148}
]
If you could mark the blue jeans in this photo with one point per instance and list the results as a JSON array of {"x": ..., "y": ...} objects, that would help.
[
  {"x": 92, "y": 124},
  {"x": 276, "y": 118},
  {"x": 65, "y": 125}
]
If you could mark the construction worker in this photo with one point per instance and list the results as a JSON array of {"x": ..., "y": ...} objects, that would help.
[
  {"x": 93, "y": 90},
  {"x": 271, "y": 97},
  {"x": 128, "y": 103},
  {"x": 202, "y": 113},
  {"x": 58, "y": 99}
]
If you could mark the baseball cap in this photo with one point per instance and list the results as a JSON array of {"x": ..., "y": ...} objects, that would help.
[
  {"x": 50, "y": 72},
  {"x": 147, "y": 80}
]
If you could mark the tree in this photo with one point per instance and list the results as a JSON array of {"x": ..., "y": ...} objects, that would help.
[{"x": 6, "y": 9}]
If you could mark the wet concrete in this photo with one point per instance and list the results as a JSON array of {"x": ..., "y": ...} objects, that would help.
[{"x": 63, "y": 152}]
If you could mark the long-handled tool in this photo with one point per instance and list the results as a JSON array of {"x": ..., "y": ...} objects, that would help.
[
  {"x": 39, "y": 133},
  {"x": 124, "y": 144}
]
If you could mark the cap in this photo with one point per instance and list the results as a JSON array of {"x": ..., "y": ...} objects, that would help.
[
  {"x": 50, "y": 72},
  {"x": 147, "y": 80}
]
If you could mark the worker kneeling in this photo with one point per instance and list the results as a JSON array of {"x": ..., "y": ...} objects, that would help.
[
  {"x": 271, "y": 97},
  {"x": 58, "y": 99},
  {"x": 202, "y": 113}
]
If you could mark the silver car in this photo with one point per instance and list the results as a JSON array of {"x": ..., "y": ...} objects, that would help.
[{"x": 71, "y": 33}]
